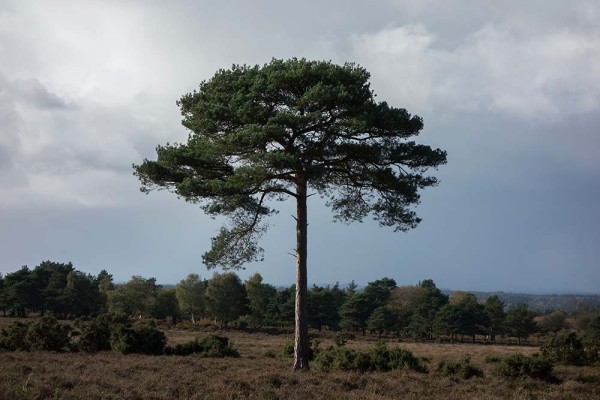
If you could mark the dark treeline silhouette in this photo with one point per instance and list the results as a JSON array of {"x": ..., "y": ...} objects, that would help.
[
  {"x": 53, "y": 287},
  {"x": 420, "y": 312}
]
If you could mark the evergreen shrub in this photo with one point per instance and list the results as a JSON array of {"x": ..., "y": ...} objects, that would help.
[
  {"x": 520, "y": 366},
  {"x": 42, "y": 334},
  {"x": 207, "y": 346},
  {"x": 380, "y": 358},
  {"x": 461, "y": 368}
]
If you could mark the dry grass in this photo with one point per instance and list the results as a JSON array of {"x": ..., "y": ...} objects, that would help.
[{"x": 259, "y": 375}]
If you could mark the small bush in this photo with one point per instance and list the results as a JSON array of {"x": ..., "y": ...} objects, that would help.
[
  {"x": 217, "y": 346},
  {"x": 288, "y": 349},
  {"x": 520, "y": 366},
  {"x": 569, "y": 349},
  {"x": 462, "y": 368},
  {"x": 592, "y": 331},
  {"x": 184, "y": 349},
  {"x": 43, "y": 334},
  {"x": 207, "y": 346},
  {"x": 591, "y": 347},
  {"x": 47, "y": 334},
  {"x": 94, "y": 335},
  {"x": 13, "y": 337},
  {"x": 379, "y": 358},
  {"x": 564, "y": 348},
  {"x": 385, "y": 359},
  {"x": 106, "y": 332},
  {"x": 141, "y": 339},
  {"x": 492, "y": 359},
  {"x": 340, "y": 359},
  {"x": 149, "y": 339}
]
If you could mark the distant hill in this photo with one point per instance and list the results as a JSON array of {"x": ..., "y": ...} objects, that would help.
[{"x": 544, "y": 302}]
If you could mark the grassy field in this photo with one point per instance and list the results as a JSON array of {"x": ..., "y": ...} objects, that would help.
[{"x": 262, "y": 373}]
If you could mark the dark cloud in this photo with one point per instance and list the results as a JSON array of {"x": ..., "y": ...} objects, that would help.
[
  {"x": 33, "y": 93},
  {"x": 10, "y": 127}
]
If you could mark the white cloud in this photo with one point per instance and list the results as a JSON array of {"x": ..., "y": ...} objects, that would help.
[
  {"x": 498, "y": 68},
  {"x": 400, "y": 63},
  {"x": 58, "y": 151}
]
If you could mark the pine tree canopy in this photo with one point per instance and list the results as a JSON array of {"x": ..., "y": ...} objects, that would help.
[{"x": 264, "y": 133}]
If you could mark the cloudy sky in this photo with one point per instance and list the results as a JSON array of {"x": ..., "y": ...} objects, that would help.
[{"x": 510, "y": 89}]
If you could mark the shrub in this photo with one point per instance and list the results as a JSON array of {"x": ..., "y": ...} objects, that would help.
[
  {"x": 492, "y": 359},
  {"x": 95, "y": 335},
  {"x": 592, "y": 350},
  {"x": 122, "y": 339},
  {"x": 142, "y": 339},
  {"x": 288, "y": 349},
  {"x": 207, "y": 346},
  {"x": 564, "y": 348},
  {"x": 43, "y": 334},
  {"x": 592, "y": 331},
  {"x": 46, "y": 333},
  {"x": 385, "y": 359},
  {"x": 462, "y": 368},
  {"x": 379, "y": 358},
  {"x": 106, "y": 332},
  {"x": 339, "y": 359},
  {"x": 183, "y": 349},
  {"x": 569, "y": 349},
  {"x": 520, "y": 366},
  {"x": 13, "y": 337},
  {"x": 149, "y": 339},
  {"x": 217, "y": 346}
]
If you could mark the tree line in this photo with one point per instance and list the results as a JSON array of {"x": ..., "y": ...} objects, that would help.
[{"x": 419, "y": 311}]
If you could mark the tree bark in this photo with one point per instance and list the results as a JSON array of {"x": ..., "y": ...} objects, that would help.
[{"x": 301, "y": 344}]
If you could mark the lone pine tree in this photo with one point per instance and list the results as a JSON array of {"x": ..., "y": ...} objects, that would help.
[{"x": 263, "y": 133}]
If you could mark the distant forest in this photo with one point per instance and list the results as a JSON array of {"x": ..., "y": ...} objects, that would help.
[
  {"x": 420, "y": 311},
  {"x": 546, "y": 302}
]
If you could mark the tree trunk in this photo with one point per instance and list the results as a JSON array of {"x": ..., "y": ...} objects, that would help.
[{"x": 301, "y": 344}]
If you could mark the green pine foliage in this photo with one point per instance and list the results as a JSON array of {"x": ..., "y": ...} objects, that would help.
[
  {"x": 258, "y": 133},
  {"x": 519, "y": 321}
]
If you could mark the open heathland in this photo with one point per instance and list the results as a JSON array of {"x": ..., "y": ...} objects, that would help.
[{"x": 262, "y": 371}]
